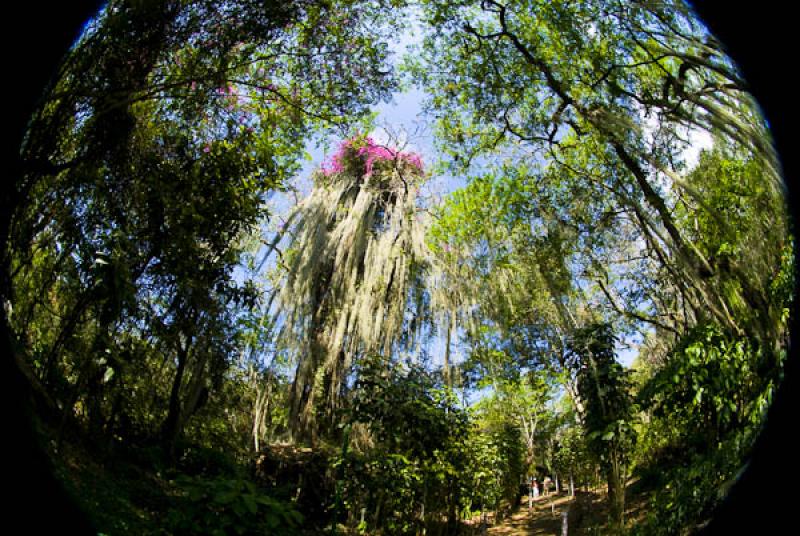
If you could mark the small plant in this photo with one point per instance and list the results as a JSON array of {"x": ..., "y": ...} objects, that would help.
[{"x": 222, "y": 506}]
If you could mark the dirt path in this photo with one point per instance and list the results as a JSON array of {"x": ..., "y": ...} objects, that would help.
[
  {"x": 589, "y": 510},
  {"x": 543, "y": 520}
]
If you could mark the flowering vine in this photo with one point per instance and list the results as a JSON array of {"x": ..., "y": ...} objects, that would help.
[{"x": 370, "y": 152}]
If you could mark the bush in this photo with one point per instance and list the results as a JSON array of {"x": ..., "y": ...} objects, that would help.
[
  {"x": 417, "y": 467},
  {"x": 208, "y": 462},
  {"x": 223, "y": 506},
  {"x": 706, "y": 406},
  {"x": 687, "y": 495}
]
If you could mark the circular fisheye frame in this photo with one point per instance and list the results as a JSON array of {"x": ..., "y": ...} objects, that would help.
[{"x": 389, "y": 267}]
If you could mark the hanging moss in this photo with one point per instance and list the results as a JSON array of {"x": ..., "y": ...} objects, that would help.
[{"x": 357, "y": 242}]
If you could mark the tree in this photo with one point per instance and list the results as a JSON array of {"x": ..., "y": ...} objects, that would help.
[
  {"x": 419, "y": 447},
  {"x": 614, "y": 107},
  {"x": 571, "y": 458},
  {"x": 148, "y": 161},
  {"x": 521, "y": 402},
  {"x": 356, "y": 252},
  {"x": 604, "y": 388},
  {"x": 510, "y": 249}
]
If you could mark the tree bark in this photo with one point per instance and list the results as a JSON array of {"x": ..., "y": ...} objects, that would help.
[
  {"x": 616, "y": 492},
  {"x": 171, "y": 427}
]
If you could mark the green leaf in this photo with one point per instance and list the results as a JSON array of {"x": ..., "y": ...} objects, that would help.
[
  {"x": 225, "y": 497},
  {"x": 108, "y": 375},
  {"x": 250, "y": 503}
]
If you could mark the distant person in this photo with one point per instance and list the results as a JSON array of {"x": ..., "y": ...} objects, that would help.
[{"x": 535, "y": 489}]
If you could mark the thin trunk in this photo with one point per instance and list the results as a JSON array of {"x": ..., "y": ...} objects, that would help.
[
  {"x": 197, "y": 393},
  {"x": 170, "y": 428},
  {"x": 421, "y": 515},
  {"x": 49, "y": 362},
  {"x": 447, "y": 379},
  {"x": 260, "y": 414},
  {"x": 108, "y": 426},
  {"x": 616, "y": 491}
]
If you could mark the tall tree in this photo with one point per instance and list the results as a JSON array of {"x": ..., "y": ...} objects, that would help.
[
  {"x": 611, "y": 94},
  {"x": 604, "y": 388},
  {"x": 357, "y": 250},
  {"x": 150, "y": 158}
]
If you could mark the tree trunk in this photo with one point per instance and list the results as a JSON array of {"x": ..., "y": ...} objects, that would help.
[
  {"x": 171, "y": 427},
  {"x": 261, "y": 407},
  {"x": 447, "y": 379},
  {"x": 616, "y": 492},
  {"x": 197, "y": 395}
]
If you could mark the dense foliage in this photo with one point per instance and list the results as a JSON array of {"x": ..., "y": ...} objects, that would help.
[
  {"x": 608, "y": 416},
  {"x": 602, "y": 299}
]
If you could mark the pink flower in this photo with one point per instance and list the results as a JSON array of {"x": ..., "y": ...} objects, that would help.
[
  {"x": 207, "y": 148},
  {"x": 371, "y": 152}
]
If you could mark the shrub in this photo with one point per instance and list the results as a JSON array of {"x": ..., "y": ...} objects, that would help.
[{"x": 223, "y": 506}]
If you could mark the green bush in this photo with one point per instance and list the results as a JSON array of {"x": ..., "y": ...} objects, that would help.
[
  {"x": 706, "y": 406},
  {"x": 223, "y": 506},
  {"x": 414, "y": 474},
  {"x": 687, "y": 495},
  {"x": 197, "y": 460}
]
